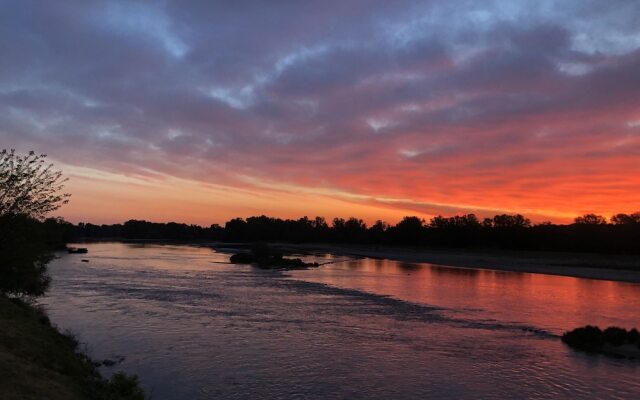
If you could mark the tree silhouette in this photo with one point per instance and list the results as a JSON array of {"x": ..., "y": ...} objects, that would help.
[
  {"x": 514, "y": 232},
  {"x": 28, "y": 186},
  {"x": 591, "y": 219},
  {"x": 511, "y": 221},
  {"x": 626, "y": 219}
]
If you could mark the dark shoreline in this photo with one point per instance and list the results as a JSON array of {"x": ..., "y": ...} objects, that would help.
[{"x": 37, "y": 361}]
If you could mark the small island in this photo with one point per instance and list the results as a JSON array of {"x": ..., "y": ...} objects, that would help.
[
  {"x": 613, "y": 341},
  {"x": 265, "y": 257},
  {"x": 77, "y": 250}
]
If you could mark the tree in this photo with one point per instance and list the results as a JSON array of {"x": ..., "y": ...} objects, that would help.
[
  {"x": 28, "y": 186},
  {"x": 511, "y": 221},
  {"x": 457, "y": 221},
  {"x": 626, "y": 219},
  {"x": 590, "y": 219},
  {"x": 24, "y": 254},
  {"x": 410, "y": 230},
  {"x": 29, "y": 189}
]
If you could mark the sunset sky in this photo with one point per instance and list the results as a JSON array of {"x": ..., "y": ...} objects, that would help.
[{"x": 202, "y": 111}]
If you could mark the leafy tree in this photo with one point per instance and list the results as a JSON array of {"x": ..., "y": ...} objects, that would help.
[
  {"x": 24, "y": 255},
  {"x": 378, "y": 231},
  {"x": 29, "y": 186},
  {"x": 319, "y": 223},
  {"x": 626, "y": 219},
  {"x": 511, "y": 221},
  {"x": 29, "y": 189},
  {"x": 590, "y": 219},
  {"x": 355, "y": 225},
  {"x": 338, "y": 224},
  {"x": 457, "y": 221},
  {"x": 410, "y": 230}
]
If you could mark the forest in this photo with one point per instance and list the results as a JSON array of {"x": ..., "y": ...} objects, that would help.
[{"x": 588, "y": 233}]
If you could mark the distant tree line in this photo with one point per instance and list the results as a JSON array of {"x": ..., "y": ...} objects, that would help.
[{"x": 588, "y": 233}]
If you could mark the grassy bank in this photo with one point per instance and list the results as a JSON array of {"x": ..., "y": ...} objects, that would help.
[{"x": 38, "y": 362}]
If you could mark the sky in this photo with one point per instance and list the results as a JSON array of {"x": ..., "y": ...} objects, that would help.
[{"x": 200, "y": 111}]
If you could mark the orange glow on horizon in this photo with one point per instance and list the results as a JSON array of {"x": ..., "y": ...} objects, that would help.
[{"x": 100, "y": 197}]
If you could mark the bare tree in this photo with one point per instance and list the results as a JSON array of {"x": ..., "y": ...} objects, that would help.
[{"x": 29, "y": 186}]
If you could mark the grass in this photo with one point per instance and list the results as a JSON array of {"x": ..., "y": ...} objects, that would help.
[{"x": 39, "y": 362}]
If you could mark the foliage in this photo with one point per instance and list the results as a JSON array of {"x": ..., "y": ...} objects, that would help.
[
  {"x": 593, "y": 339},
  {"x": 588, "y": 338},
  {"x": 263, "y": 256},
  {"x": 509, "y": 221},
  {"x": 29, "y": 189},
  {"x": 503, "y": 231},
  {"x": 591, "y": 219},
  {"x": 626, "y": 219},
  {"x": 29, "y": 186},
  {"x": 26, "y": 247},
  {"x": 124, "y": 387}
]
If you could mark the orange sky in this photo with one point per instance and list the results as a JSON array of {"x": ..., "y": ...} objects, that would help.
[{"x": 100, "y": 197}]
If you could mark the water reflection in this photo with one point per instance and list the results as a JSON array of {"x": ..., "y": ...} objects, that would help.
[
  {"x": 554, "y": 303},
  {"x": 193, "y": 326}
]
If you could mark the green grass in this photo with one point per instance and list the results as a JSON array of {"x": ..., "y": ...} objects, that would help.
[{"x": 38, "y": 362}]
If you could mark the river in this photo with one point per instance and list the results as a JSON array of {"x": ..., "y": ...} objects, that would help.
[{"x": 193, "y": 326}]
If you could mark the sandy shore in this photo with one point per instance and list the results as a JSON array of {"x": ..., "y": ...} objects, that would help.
[{"x": 622, "y": 268}]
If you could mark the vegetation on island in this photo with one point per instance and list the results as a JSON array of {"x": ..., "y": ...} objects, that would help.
[
  {"x": 263, "y": 256},
  {"x": 613, "y": 341},
  {"x": 36, "y": 360}
]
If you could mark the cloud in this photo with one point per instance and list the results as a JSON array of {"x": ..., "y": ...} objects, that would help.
[{"x": 492, "y": 105}]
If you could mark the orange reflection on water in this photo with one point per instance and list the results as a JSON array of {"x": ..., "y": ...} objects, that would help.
[{"x": 555, "y": 303}]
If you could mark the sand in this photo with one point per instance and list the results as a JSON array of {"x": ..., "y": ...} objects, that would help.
[{"x": 624, "y": 268}]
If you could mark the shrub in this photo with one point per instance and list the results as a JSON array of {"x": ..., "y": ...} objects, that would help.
[
  {"x": 633, "y": 336},
  {"x": 615, "y": 336},
  {"x": 589, "y": 338},
  {"x": 124, "y": 387}
]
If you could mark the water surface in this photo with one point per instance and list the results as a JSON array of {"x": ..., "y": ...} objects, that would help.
[{"x": 193, "y": 326}]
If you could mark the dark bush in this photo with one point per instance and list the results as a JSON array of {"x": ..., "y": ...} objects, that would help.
[
  {"x": 124, "y": 387},
  {"x": 615, "y": 336},
  {"x": 268, "y": 258},
  {"x": 242, "y": 258},
  {"x": 589, "y": 338},
  {"x": 633, "y": 336}
]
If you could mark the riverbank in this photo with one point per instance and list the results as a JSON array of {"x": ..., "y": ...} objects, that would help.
[
  {"x": 38, "y": 362},
  {"x": 622, "y": 268}
]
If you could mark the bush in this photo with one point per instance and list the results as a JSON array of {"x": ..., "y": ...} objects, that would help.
[
  {"x": 26, "y": 246},
  {"x": 589, "y": 338},
  {"x": 615, "y": 336},
  {"x": 23, "y": 257},
  {"x": 592, "y": 339},
  {"x": 124, "y": 387},
  {"x": 633, "y": 336}
]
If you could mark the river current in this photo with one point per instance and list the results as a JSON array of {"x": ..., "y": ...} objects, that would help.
[{"x": 193, "y": 326}]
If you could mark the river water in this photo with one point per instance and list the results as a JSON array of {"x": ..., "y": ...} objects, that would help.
[{"x": 193, "y": 326}]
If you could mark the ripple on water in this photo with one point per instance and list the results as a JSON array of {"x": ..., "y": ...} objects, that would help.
[{"x": 196, "y": 329}]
